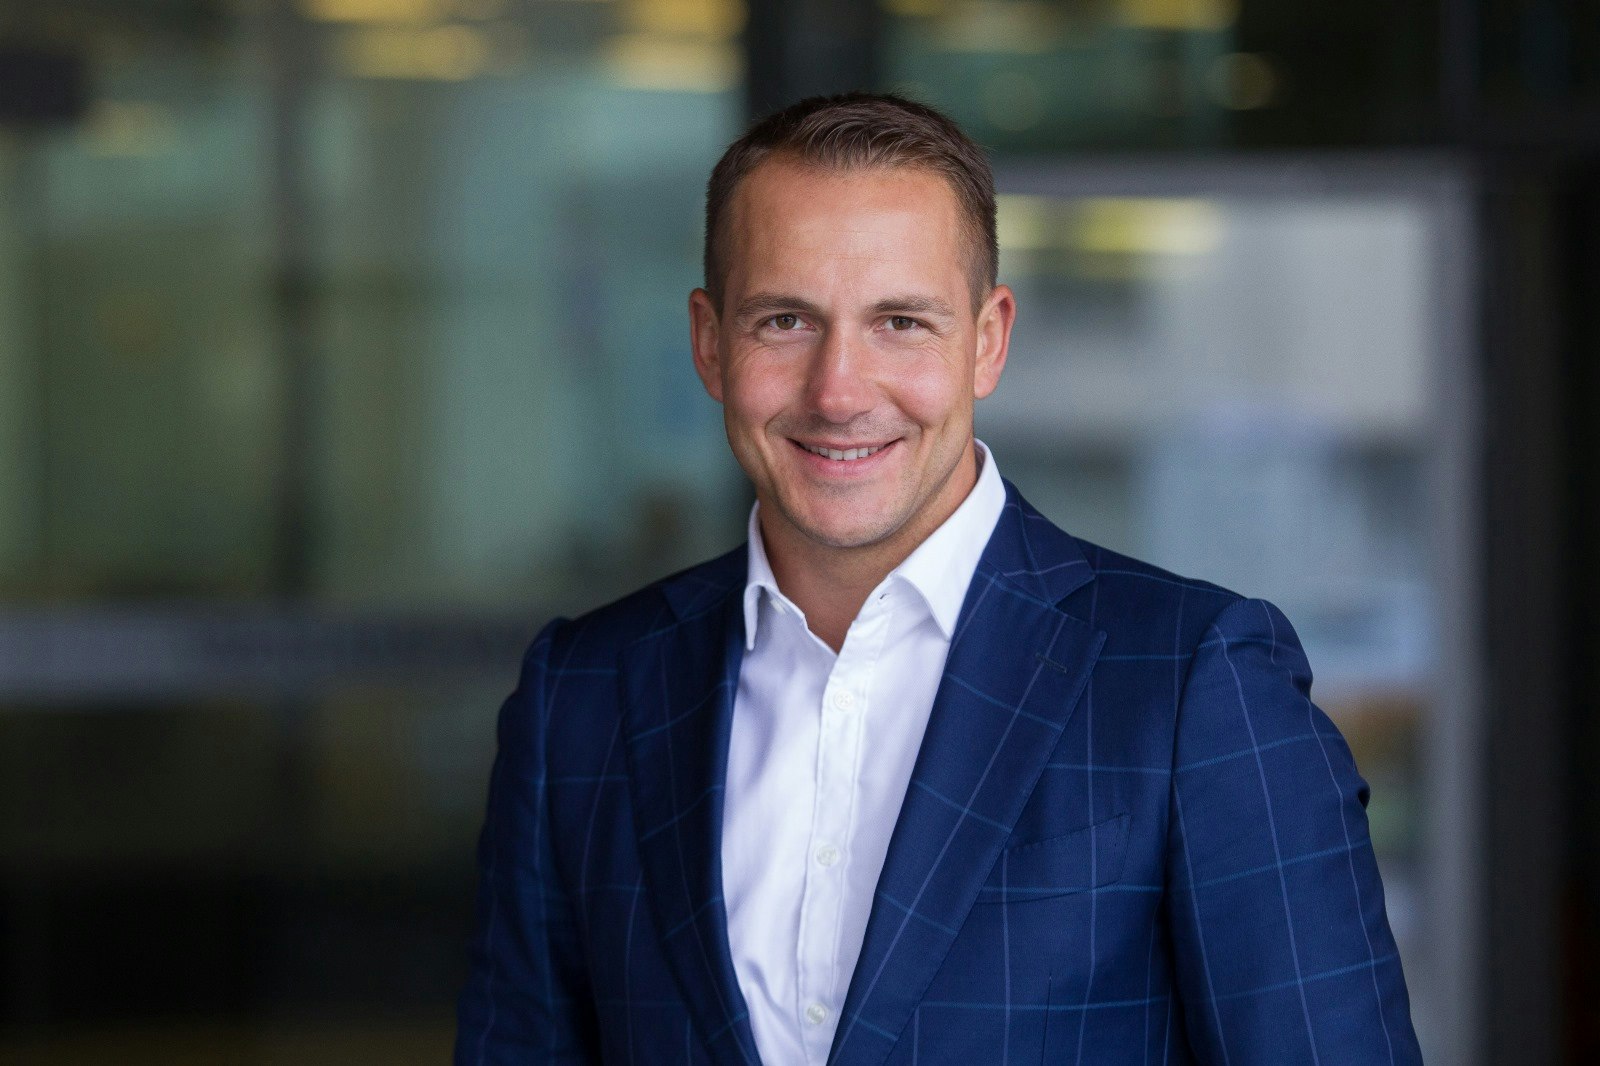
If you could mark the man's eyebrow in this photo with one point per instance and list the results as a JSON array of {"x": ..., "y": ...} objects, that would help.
[
  {"x": 772, "y": 303},
  {"x": 912, "y": 304}
]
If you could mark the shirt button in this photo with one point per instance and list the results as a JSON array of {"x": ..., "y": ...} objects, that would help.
[
  {"x": 844, "y": 699},
  {"x": 816, "y": 1014},
  {"x": 827, "y": 855}
]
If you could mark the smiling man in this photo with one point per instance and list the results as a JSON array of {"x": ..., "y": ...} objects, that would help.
[{"x": 913, "y": 776}]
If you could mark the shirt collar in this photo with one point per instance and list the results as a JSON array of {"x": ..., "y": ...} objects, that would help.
[
  {"x": 940, "y": 569},
  {"x": 759, "y": 577}
]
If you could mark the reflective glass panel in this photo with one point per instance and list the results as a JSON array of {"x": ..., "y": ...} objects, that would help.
[
  {"x": 1245, "y": 374},
  {"x": 375, "y": 302}
]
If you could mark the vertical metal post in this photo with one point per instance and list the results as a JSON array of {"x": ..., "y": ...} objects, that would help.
[
  {"x": 1526, "y": 637},
  {"x": 1581, "y": 941},
  {"x": 1460, "y": 67},
  {"x": 290, "y": 70}
]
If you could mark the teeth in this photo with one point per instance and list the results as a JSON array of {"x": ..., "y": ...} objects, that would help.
[{"x": 846, "y": 455}]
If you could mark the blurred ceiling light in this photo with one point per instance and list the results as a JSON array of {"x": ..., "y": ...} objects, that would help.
[
  {"x": 129, "y": 129},
  {"x": 1242, "y": 81},
  {"x": 1016, "y": 26},
  {"x": 1179, "y": 14},
  {"x": 1147, "y": 226},
  {"x": 719, "y": 20},
  {"x": 444, "y": 53},
  {"x": 671, "y": 64},
  {"x": 1109, "y": 225},
  {"x": 378, "y": 11}
]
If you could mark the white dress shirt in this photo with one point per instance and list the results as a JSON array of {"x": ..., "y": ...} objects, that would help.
[{"x": 819, "y": 759}]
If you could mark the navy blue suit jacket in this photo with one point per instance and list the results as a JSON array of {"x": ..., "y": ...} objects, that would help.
[{"x": 1129, "y": 838}]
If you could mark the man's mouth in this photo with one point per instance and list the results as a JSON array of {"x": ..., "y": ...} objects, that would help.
[{"x": 843, "y": 454}]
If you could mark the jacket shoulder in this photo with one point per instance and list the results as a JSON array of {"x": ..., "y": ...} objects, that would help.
[
  {"x": 1140, "y": 605},
  {"x": 1115, "y": 567}
]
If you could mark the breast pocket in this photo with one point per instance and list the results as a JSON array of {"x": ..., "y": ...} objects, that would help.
[{"x": 1060, "y": 865}]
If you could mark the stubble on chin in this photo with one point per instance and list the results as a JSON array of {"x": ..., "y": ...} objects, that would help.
[{"x": 843, "y": 537}]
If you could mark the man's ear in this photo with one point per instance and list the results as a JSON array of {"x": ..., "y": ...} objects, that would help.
[
  {"x": 704, "y": 334},
  {"x": 995, "y": 319}
]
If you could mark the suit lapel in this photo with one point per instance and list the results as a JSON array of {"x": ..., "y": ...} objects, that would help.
[
  {"x": 679, "y": 687},
  {"x": 1013, "y": 677}
]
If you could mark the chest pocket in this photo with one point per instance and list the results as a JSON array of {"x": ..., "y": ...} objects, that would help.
[{"x": 1060, "y": 865}]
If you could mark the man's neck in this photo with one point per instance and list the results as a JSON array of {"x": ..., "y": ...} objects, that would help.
[{"x": 829, "y": 585}]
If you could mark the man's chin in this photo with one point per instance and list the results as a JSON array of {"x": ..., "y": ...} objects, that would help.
[
  {"x": 845, "y": 540},
  {"x": 846, "y": 532}
]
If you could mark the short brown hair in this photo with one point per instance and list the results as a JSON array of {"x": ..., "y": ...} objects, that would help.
[{"x": 861, "y": 130}]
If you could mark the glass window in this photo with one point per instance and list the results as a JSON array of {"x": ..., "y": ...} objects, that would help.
[
  {"x": 1041, "y": 76},
  {"x": 1243, "y": 373},
  {"x": 337, "y": 351},
  {"x": 385, "y": 306},
  {"x": 1036, "y": 76}
]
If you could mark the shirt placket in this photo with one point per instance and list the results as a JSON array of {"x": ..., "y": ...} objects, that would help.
[{"x": 842, "y": 721}]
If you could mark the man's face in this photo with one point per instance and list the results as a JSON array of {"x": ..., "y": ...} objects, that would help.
[{"x": 847, "y": 353}]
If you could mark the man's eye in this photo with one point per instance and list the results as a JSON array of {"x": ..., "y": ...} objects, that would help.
[
  {"x": 785, "y": 322},
  {"x": 901, "y": 322}
]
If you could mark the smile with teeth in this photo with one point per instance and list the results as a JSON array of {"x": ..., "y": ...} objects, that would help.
[{"x": 847, "y": 455}]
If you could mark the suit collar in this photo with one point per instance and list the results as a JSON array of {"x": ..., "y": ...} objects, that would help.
[
  {"x": 1031, "y": 553},
  {"x": 691, "y": 593},
  {"x": 1016, "y": 668}
]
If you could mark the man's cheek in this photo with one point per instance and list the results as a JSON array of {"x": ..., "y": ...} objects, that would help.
[
  {"x": 760, "y": 401},
  {"x": 928, "y": 403}
]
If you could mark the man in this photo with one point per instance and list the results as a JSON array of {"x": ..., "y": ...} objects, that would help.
[{"x": 913, "y": 776}]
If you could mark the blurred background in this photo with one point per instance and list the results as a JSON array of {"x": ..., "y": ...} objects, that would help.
[{"x": 343, "y": 342}]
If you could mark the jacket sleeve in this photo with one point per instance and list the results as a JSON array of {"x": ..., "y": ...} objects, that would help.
[
  {"x": 1282, "y": 949},
  {"x": 527, "y": 997}
]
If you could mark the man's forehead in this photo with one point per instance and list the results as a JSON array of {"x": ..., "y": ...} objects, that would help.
[
  {"x": 797, "y": 245},
  {"x": 790, "y": 207},
  {"x": 805, "y": 229}
]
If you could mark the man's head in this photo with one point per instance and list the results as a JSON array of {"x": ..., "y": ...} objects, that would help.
[
  {"x": 861, "y": 131},
  {"x": 847, "y": 338}
]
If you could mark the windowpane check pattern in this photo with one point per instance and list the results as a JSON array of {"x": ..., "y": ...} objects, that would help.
[{"x": 1129, "y": 836}]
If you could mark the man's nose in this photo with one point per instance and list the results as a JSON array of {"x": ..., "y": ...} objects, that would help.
[{"x": 838, "y": 388}]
